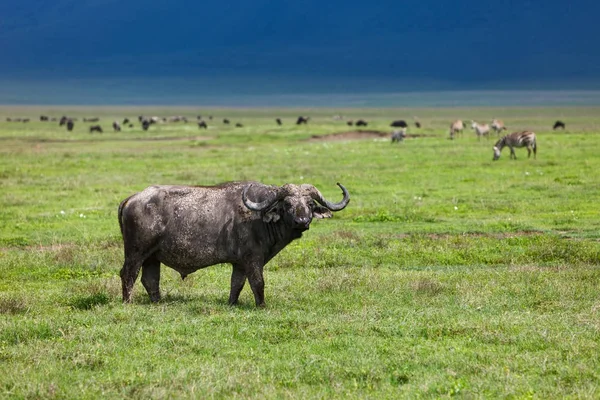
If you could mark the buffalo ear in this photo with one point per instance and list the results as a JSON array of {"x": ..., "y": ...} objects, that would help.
[
  {"x": 272, "y": 215},
  {"x": 321, "y": 212}
]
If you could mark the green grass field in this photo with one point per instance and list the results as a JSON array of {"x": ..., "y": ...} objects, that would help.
[{"x": 447, "y": 275}]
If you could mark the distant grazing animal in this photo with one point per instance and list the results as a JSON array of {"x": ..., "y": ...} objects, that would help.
[
  {"x": 361, "y": 122},
  {"x": 95, "y": 128},
  {"x": 302, "y": 120},
  {"x": 400, "y": 123},
  {"x": 210, "y": 117},
  {"x": 116, "y": 126},
  {"x": 516, "y": 140},
  {"x": 25, "y": 120},
  {"x": 145, "y": 124},
  {"x": 226, "y": 121},
  {"x": 239, "y": 125},
  {"x": 202, "y": 124},
  {"x": 278, "y": 120},
  {"x": 70, "y": 124},
  {"x": 93, "y": 119},
  {"x": 456, "y": 128},
  {"x": 417, "y": 123},
  {"x": 125, "y": 121},
  {"x": 63, "y": 120},
  {"x": 131, "y": 125},
  {"x": 192, "y": 227},
  {"x": 480, "y": 130},
  {"x": 44, "y": 118},
  {"x": 559, "y": 124},
  {"x": 498, "y": 126},
  {"x": 350, "y": 123},
  {"x": 398, "y": 135},
  {"x": 199, "y": 117}
]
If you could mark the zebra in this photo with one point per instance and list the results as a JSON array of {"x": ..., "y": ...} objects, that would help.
[
  {"x": 516, "y": 139},
  {"x": 456, "y": 127},
  {"x": 498, "y": 126},
  {"x": 480, "y": 130}
]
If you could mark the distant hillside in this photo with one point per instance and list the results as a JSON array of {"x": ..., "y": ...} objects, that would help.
[{"x": 470, "y": 41}]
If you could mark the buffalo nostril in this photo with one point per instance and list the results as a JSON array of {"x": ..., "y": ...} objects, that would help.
[{"x": 302, "y": 221}]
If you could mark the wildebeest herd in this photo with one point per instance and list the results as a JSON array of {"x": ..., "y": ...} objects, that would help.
[{"x": 524, "y": 138}]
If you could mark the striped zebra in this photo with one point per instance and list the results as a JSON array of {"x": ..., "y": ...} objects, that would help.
[
  {"x": 480, "y": 130},
  {"x": 498, "y": 126},
  {"x": 456, "y": 127},
  {"x": 516, "y": 139}
]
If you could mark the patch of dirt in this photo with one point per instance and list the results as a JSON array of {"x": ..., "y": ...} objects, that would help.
[
  {"x": 352, "y": 135},
  {"x": 361, "y": 135}
]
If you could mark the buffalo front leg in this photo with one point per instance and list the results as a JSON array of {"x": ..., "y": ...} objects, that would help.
[
  {"x": 151, "y": 278},
  {"x": 257, "y": 283},
  {"x": 238, "y": 279}
]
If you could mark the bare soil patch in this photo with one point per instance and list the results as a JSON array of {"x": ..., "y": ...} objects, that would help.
[{"x": 360, "y": 135}]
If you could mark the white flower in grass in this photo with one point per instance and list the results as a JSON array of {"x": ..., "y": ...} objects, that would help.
[{"x": 455, "y": 207}]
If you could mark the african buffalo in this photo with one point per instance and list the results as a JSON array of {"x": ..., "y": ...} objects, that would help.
[
  {"x": 399, "y": 124},
  {"x": 192, "y": 227}
]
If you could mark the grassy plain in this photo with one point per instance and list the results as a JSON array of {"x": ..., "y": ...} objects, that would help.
[{"x": 447, "y": 275}]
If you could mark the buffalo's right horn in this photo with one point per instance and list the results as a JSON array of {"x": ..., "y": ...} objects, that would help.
[
  {"x": 263, "y": 205},
  {"x": 317, "y": 196}
]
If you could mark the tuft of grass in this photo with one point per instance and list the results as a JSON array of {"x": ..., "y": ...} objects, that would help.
[
  {"x": 13, "y": 304},
  {"x": 90, "y": 301}
]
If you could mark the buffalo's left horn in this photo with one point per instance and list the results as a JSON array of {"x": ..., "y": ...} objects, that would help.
[
  {"x": 258, "y": 206},
  {"x": 317, "y": 196}
]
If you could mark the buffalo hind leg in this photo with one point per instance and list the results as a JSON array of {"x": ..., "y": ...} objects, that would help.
[
  {"x": 238, "y": 279},
  {"x": 129, "y": 273},
  {"x": 151, "y": 277}
]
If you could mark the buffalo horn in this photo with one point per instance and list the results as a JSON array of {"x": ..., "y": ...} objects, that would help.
[
  {"x": 263, "y": 205},
  {"x": 318, "y": 197}
]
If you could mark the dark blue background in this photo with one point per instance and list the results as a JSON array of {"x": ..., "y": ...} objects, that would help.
[{"x": 425, "y": 43}]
